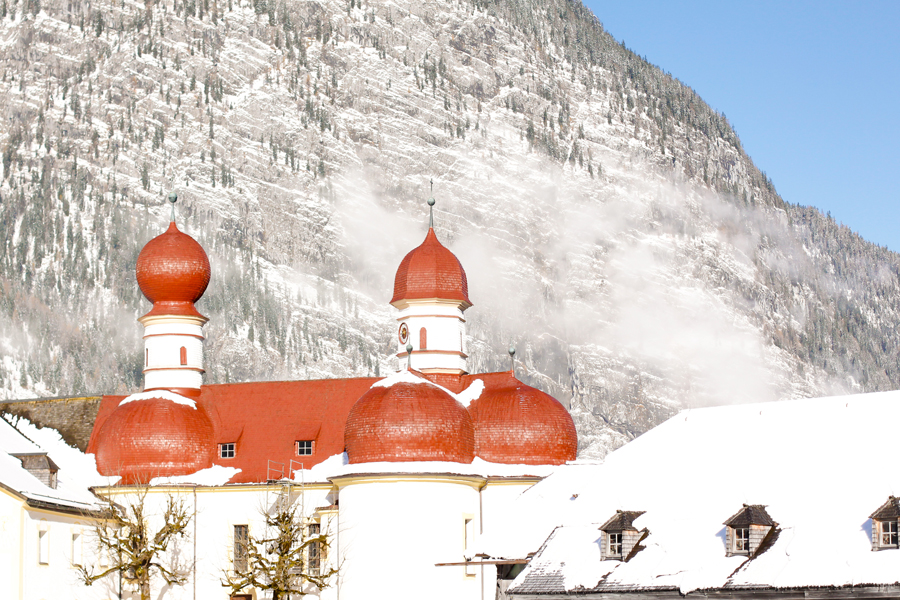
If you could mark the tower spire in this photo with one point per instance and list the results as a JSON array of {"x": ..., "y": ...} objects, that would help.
[
  {"x": 431, "y": 206},
  {"x": 173, "y": 198}
]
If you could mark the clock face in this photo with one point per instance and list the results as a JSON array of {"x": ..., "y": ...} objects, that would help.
[{"x": 404, "y": 333}]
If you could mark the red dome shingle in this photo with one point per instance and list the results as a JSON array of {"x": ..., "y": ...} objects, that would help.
[
  {"x": 173, "y": 272},
  {"x": 518, "y": 424},
  {"x": 408, "y": 422},
  {"x": 156, "y": 437},
  {"x": 431, "y": 271}
]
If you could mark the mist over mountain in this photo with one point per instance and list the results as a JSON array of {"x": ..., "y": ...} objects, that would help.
[{"x": 610, "y": 223}]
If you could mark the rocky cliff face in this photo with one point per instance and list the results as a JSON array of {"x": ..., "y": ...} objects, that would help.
[{"x": 610, "y": 223}]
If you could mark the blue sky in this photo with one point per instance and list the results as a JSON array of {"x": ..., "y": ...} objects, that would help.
[{"x": 812, "y": 89}]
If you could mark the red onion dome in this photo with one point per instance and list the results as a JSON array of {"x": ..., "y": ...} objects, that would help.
[
  {"x": 518, "y": 424},
  {"x": 173, "y": 272},
  {"x": 155, "y": 437},
  {"x": 431, "y": 271},
  {"x": 409, "y": 422}
]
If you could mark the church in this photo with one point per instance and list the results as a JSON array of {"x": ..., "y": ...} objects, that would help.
[{"x": 402, "y": 472}]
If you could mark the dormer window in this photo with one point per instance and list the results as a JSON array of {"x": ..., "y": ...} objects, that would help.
[
  {"x": 885, "y": 525},
  {"x": 227, "y": 450},
  {"x": 747, "y": 532},
  {"x": 620, "y": 536}
]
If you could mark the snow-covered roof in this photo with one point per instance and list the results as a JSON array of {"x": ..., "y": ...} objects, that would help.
[
  {"x": 77, "y": 471},
  {"x": 817, "y": 465}
]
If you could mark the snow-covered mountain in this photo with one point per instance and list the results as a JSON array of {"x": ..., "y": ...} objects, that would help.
[{"x": 611, "y": 225}]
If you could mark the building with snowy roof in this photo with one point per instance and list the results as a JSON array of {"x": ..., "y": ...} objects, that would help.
[
  {"x": 44, "y": 492},
  {"x": 402, "y": 473},
  {"x": 791, "y": 499}
]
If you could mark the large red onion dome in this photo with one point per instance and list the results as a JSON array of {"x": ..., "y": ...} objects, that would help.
[
  {"x": 431, "y": 271},
  {"x": 409, "y": 421},
  {"x": 173, "y": 272},
  {"x": 518, "y": 424},
  {"x": 155, "y": 437}
]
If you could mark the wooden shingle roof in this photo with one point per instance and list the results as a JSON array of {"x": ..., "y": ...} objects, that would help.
[
  {"x": 622, "y": 520},
  {"x": 751, "y": 514},
  {"x": 889, "y": 510}
]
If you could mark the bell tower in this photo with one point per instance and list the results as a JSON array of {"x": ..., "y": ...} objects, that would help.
[{"x": 431, "y": 294}]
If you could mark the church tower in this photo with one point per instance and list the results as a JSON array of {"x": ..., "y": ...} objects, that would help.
[{"x": 431, "y": 293}]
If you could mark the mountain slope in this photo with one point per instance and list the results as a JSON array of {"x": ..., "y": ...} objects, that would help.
[{"x": 611, "y": 224}]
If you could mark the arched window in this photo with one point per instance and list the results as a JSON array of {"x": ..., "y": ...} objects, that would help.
[
  {"x": 183, "y": 355},
  {"x": 423, "y": 339},
  {"x": 146, "y": 357}
]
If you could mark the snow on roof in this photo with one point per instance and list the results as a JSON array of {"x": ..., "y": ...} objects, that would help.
[
  {"x": 214, "y": 475},
  {"x": 817, "y": 465},
  {"x": 338, "y": 466},
  {"x": 161, "y": 395},
  {"x": 77, "y": 471}
]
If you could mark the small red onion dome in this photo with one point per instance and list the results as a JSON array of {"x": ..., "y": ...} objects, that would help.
[
  {"x": 154, "y": 438},
  {"x": 431, "y": 271},
  {"x": 409, "y": 422},
  {"x": 173, "y": 272},
  {"x": 518, "y": 424}
]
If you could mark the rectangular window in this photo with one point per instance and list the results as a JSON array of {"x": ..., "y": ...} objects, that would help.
[
  {"x": 304, "y": 447},
  {"x": 615, "y": 544},
  {"x": 77, "y": 551},
  {"x": 226, "y": 450},
  {"x": 314, "y": 550},
  {"x": 889, "y": 535},
  {"x": 44, "y": 547},
  {"x": 241, "y": 548},
  {"x": 741, "y": 539}
]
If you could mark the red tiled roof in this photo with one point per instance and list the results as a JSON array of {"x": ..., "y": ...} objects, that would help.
[
  {"x": 513, "y": 423},
  {"x": 173, "y": 272},
  {"x": 153, "y": 438},
  {"x": 266, "y": 418},
  {"x": 431, "y": 271},
  {"x": 518, "y": 424},
  {"x": 409, "y": 422}
]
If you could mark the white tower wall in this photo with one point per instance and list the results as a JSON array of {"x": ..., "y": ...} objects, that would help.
[
  {"x": 444, "y": 350},
  {"x": 394, "y": 529},
  {"x": 165, "y": 365}
]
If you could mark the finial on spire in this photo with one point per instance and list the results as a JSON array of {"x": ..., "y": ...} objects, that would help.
[
  {"x": 173, "y": 198},
  {"x": 431, "y": 206},
  {"x": 512, "y": 359},
  {"x": 408, "y": 356}
]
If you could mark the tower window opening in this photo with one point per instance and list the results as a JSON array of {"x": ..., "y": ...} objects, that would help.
[
  {"x": 146, "y": 357},
  {"x": 183, "y": 356},
  {"x": 423, "y": 339}
]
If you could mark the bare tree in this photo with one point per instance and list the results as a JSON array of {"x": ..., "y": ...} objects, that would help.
[
  {"x": 136, "y": 549},
  {"x": 287, "y": 559}
]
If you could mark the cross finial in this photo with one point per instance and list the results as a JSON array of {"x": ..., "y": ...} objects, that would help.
[
  {"x": 408, "y": 356},
  {"x": 173, "y": 198},
  {"x": 431, "y": 205}
]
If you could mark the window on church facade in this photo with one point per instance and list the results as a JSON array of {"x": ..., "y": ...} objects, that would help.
[
  {"x": 314, "y": 550},
  {"x": 183, "y": 356},
  {"x": 241, "y": 547},
  {"x": 423, "y": 339}
]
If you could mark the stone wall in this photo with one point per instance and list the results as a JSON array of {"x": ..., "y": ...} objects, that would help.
[{"x": 72, "y": 417}]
